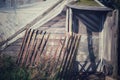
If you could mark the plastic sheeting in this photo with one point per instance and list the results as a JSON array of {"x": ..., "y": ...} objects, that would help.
[
  {"x": 45, "y": 16},
  {"x": 98, "y": 36}
]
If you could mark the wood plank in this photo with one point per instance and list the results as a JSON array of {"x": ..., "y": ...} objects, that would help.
[
  {"x": 18, "y": 40},
  {"x": 53, "y": 30},
  {"x": 12, "y": 48},
  {"x": 26, "y": 47},
  {"x": 37, "y": 47},
  {"x": 70, "y": 54},
  {"x": 65, "y": 57},
  {"x": 60, "y": 54},
  {"x": 41, "y": 48},
  {"x": 23, "y": 45},
  {"x": 31, "y": 47}
]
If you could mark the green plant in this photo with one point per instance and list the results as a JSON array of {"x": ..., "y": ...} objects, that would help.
[
  {"x": 10, "y": 71},
  {"x": 78, "y": 0}
]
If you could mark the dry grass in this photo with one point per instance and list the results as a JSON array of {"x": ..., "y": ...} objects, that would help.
[{"x": 45, "y": 69}]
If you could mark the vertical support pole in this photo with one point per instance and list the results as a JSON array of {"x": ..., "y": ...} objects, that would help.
[
  {"x": 70, "y": 21},
  {"x": 67, "y": 21}
]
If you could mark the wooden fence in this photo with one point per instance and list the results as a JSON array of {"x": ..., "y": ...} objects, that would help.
[{"x": 37, "y": 50}]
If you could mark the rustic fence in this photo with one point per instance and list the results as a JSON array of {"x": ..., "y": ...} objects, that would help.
[{"x": 54, "y": 57}]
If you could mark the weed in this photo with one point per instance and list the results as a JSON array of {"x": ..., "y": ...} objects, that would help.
[{"x": 10, "y": 71}]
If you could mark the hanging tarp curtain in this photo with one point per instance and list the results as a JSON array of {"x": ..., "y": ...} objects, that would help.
[
  {"x": 94, "y": 26},
  {"x": 98, "y": 36},
  {"x": 92, "y": 19},
  {"x": 92, "y": 22}
]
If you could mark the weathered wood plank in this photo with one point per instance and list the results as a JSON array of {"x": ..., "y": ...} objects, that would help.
[
  {"x": 32, "y": 44},
  {"x": 37, "y": 46},
  {"x": 26, "y": 47},
  {"x": 23, "y": 45},
  {"x": 44, "y": 42}
]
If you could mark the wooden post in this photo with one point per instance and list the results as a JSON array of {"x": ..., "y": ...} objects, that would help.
[
  {"x": 67, "y": 21},
  {"x": 70, "y": 21}
]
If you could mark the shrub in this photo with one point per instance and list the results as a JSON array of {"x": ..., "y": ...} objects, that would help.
[{"x": 10, "y": 71}]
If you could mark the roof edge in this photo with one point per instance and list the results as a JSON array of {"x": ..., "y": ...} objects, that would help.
[{"x": 99, "y": 3}]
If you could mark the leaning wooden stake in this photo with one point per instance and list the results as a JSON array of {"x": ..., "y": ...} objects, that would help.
[
  {"x": 23, "y": 45},
  {"x": 63, "y": 51},
  {"x": 26, "y": 47},
  {"x": 70, "y": 54},
  {"x": 60, "y": 53},
  {"x": 30, "y": 50},
  {"x": 37, "y": 59},
  {"x": 75, "y": 53},
  {"x": 65, "y": 57},
  {"x": 37, "y": 47}
]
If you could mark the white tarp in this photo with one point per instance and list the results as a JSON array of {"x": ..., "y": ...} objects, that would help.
[{"x": 13, "y": 21}]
